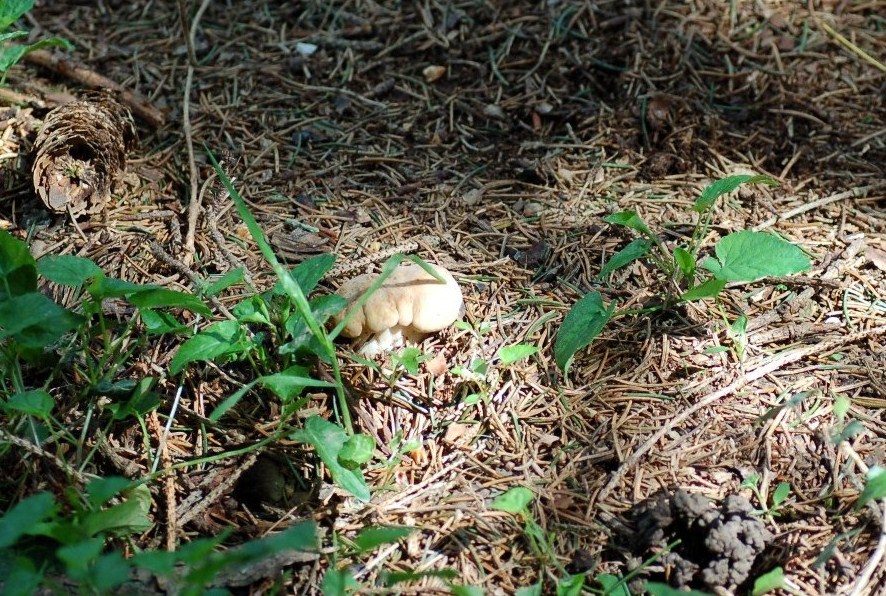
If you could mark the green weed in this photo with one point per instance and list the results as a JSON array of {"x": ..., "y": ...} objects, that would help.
[
  {"x": 12, "y": 53},
  {"x": 741, "y": 256}
]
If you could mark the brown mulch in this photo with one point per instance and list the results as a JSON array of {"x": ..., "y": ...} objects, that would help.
[{"x": 547, "y": 116}]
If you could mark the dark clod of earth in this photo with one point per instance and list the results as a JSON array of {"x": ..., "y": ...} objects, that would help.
[{"x": 718, "y": 544}]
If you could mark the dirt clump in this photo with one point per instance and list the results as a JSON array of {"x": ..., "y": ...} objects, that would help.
[{"x": 719, "y": 544}]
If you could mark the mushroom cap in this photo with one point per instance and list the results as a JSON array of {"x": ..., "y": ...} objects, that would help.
[{"x": 409, "y": 299}]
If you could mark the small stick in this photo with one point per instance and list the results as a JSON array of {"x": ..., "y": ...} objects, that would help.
[
  {"x": 760, "y": 371},
  {"x": 62, "y": 66}
]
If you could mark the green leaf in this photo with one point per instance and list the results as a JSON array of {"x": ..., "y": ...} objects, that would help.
[
  {"x": 18, "y": 270},
  {"x": 874, "y": 489},
  {"x": 685, "y": 262},
  {"x": 374, "y": 536},
  {"x": 11, "y": 55},
  {"x": 101, "y": 490},
  {"x": 13, "y": 10},
  {"x": 582, "y": 324},
  {"x": 533, "y": 590},
  {"x": 841, "y": 406},
  {"x": 659, "y": 589},
  {"x": 515, "y": 500},
  {"x": 459, "y": 590},
  {"x": 725, "y": 186},
  {"x": 629, "y": 219},
  {"x": 511, "y": 354},
  {"x": 309, "y": 272},
  {"x": 749, "y": 256},
  {"x": 290, "y": 382},
  {"x": 163, "y": 298},
  {"x": 24, "y": 516},
  {"x": 128, "y": 517},
  {"x": 612, "y": 585},
  {"x": 339, "y": 582},
  {"x": 709, "y": 289},
  {"x": 35, "y": 321},
  {"x": 67, "y": 270},
  {"x": 637, "y": 249},
  {"x": 108, "y": 287},
  {"x": 224, "y": 282},
  {"x": 78, "y": 555},
  {"x": 328, "y": 440},
  {"x": 769, "y": 582},
  {"x": 780, "y": 494},
  {"x": 409, "y": 358},
  {"x": 22, "y": 579},
  {"x": 850, "y": 430},
  {"x": 253, "y": 310},
  {"x": 356, "y": 451},
  {"x": 109, "y": 571},
  {"x": 159, "y": 323},
  {"x": 219, "y": 339},
  {"x": 35, "y": 402},
  {"x": 571, "y": 585}
]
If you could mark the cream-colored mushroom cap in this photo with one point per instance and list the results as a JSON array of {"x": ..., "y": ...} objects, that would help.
[{"x": 410, "y": 301}]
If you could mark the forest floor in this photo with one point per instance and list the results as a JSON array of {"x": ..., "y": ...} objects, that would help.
[{"x": 493, "y": 138}]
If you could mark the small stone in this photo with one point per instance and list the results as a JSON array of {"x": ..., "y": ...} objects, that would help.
[
  {"x": 493, "y": 111},
  {"x": 433, "y": 73}
]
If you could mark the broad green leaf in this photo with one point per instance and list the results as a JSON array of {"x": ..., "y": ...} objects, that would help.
[
  {"x": 874, "y": 488},
  {"x": 109, "y": 571},
  {"x": 637, "y": 249},
  {"x": 22, "y": 579},
  {"x": 35, "y": 321},
  {"x": 709, "y": 289},
  {"x": 533, "y": 590},
  {"x": 328, "y": 440},
  {"x": 685, "y": 262},
  {"x": 726, "y": 185},
  {"x": 101, "y": 490},
  {"x": 163, "y": 298},
  {"x": 290, "y": 382},
  {"x": 460, "y": 590},
  {"x": 253, "y": 310},
  {"x": 582, "y": 324},
  {"x": 109, "y": 287},
  {"x": 374, "y": 536},
  {"x": 511, "y": 354},
  {"x": 629, "y": 219},
  {"x": 18, "y": 270},
  {"x": 78, "y": 555},
  {"x": 659, "y": 589},
  {"x": 35, "y": 402},
  {"x": 219, "y": 339},
  {"x": 749, "y": 256},
  {"x": 571, "y": 585},
  {"x": 515, "y": 500},
  {"x": 339, "y": 582},
  {"x": 128, "y": 517},
  {"x": 24, "y": 516},
  {"x": 356, "y": 451},
  {"x": 612, "y": 585},
  {"x": 158, "y": 323},
  {"x": 13, "y": 10},
  {"x": 841, "y": 406},
  {"x": 309, "y": 272},
  {"x": 67, "y": 270},
  {"x": 9, "y": 56},
  {"x": 769, "y": 582},
  {"x": 780, "y": 494},
  {"x": 224, "y": 282}
]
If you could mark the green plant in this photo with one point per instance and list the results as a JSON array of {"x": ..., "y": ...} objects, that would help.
[
  {"x": 516, "y": 501},
  {"x": 741, "y": 256},
  {"x": 11, "y": 53},
  {"x": 767, "y": 506}
]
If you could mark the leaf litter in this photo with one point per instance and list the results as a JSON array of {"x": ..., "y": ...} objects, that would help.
[{"x": 597, "y": 108}]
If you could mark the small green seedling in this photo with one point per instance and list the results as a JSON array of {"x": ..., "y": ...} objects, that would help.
[
  {"x": 741, "y": 256},
  {"x": 779, "y": 495}
]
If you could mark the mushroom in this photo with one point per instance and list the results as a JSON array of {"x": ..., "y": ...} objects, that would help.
[{"x": 408, "y": 306}]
